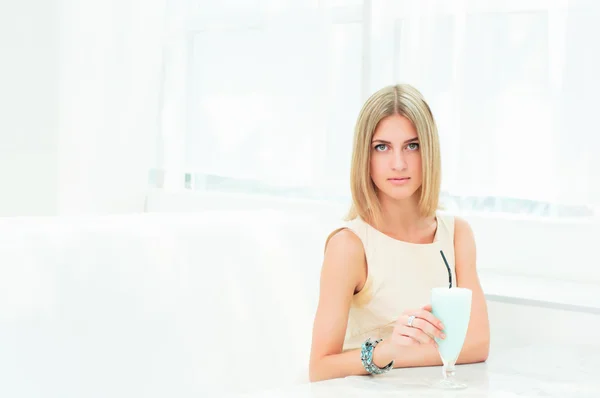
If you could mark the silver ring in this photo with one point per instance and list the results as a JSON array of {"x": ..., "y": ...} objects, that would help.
[{"x": 410, "y": 320}]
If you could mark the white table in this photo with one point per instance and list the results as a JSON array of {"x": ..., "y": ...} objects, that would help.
[{"x": 541, "y": 370}]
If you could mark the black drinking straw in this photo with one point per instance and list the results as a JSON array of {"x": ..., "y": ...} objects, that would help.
[{"x": 448, "y": 268}]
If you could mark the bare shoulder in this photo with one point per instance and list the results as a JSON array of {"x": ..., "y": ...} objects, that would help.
[
  {"x": 344, "y": 242},
  {"x": 462, "y": 229},
  {"x": 344, "y": 257}
]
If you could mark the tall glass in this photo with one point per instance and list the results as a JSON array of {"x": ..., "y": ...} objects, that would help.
[{"x": 452, "y": 306}]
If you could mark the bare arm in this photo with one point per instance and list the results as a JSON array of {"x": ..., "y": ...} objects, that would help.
[
  {"x": 343, "y": 272},
  {"x": 477, "y": 342}
]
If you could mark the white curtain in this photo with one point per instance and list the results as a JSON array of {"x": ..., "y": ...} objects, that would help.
[
  {"x": 263, "y": 96},
  {"x": 111, "y": 66}
]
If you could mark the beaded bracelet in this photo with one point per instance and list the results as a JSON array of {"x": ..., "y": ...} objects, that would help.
[{"x": 366, "y": 357}]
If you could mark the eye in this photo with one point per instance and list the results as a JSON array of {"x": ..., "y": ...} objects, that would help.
[
  {"x": 380, "y": 147},
  {"x": 413, "y": 146}
]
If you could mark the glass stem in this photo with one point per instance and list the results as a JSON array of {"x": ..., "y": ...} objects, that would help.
[{"x": 448, "y": 371}]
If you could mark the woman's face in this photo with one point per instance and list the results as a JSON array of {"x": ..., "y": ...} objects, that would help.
[{"x": 396, "y": 158}]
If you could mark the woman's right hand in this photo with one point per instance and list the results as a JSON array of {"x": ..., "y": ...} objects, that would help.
[{"x": 415, "y": 327}]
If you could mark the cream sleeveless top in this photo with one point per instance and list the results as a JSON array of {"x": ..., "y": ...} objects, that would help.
[{"x": 400, "y": 276}]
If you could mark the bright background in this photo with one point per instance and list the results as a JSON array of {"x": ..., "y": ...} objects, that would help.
[{"x": 130, "y": 106}]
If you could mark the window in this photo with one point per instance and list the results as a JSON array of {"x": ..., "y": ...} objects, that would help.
[{"x": 262, "y": 96}]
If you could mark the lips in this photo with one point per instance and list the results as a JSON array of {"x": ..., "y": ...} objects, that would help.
[{"x": 399, "y": 180}]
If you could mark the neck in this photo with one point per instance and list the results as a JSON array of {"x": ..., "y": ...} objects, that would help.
[{"x": 402, "y": 216}]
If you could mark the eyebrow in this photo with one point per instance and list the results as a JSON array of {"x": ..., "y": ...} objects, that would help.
[{"x": 389, "y": 143}]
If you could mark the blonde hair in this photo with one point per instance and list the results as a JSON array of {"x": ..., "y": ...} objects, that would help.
[{"x": 407, "y": 101}]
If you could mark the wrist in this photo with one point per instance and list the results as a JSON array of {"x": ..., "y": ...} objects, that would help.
[{"x": 383, "y": 354}]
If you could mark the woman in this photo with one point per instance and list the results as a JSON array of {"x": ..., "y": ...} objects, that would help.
[{"x": 378, "y": 270}]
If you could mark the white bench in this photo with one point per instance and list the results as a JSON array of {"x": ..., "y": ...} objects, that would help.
[
  {"x": 156, "y": 305},
  {"x": 160, "y": 305}
]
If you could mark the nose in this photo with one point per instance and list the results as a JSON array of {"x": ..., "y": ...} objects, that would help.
[{"x": 398, "y": 161}]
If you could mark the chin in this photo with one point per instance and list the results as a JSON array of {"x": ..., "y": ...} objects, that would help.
[
  {"x": 400, "y": 197},
  {"x": 399, "y": 194}
]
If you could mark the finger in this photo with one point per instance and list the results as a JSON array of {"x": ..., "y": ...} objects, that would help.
[
  {"x": 420, "y": 320},
  {"x": 403, "y": 320},
  {"x": 425, "y": 313},
  {"x": 428, "y": 328},
  {"x": 417, "y": 334},
  {"x": 428, "y": 316},
  {"x": 400, "y": 339}
]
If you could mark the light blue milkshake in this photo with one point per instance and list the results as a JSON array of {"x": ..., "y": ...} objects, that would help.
[{"x": 453, "y": 308}]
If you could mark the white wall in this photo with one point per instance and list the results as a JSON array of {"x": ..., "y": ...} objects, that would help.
[
  {"x": 79, "y": 100},
  {"x": 28, "y": 107},
  {"x": 110, "y": 69}
]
